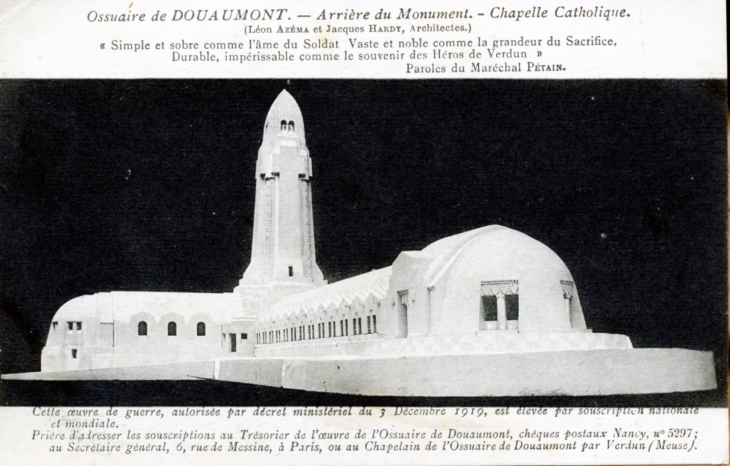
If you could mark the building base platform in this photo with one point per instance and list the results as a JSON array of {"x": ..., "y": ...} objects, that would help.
[{"x": 561, "y": 373}]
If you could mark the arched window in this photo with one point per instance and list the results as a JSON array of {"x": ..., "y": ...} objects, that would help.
[
  {"x": 172, "y": 329},
  {"x": 201, "y": 329},
  {"x": 142, "y": 329},
  {"x": 291, "y": 126},
  {"x": 283, "y": 125}
]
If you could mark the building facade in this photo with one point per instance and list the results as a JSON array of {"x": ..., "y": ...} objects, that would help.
[{"x": 487, "y": 292}]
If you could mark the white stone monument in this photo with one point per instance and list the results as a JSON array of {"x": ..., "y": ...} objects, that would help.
[{"x": 488, "y": 312}]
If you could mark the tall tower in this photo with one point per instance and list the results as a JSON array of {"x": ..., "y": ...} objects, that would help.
[{"x": 282, "y": 253}]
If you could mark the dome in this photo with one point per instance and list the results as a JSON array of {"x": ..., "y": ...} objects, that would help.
[{"x": 499, "y": 257}]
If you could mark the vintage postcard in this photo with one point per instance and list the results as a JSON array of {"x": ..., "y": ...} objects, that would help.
[{"x": 357, "y": 233}]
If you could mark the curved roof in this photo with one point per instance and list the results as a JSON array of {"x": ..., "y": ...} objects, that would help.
[
  {"x": 122, "y": 305},
  {"x": 494, "y": 255},
  {"x": 445, "y": 251},
  {"x": 371, "y": 285},
  {"x": 87, "y": 308}
]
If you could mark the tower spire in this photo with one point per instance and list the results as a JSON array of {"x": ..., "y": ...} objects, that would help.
[{"x": 282, "y": 252}]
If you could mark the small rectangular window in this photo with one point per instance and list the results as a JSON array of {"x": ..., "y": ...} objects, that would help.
[
  {"x": 74, "y": 353},
  {"x": 55, "y": 325},
  {"x": 244, "y": 336},
  {"x": 375, "y": 325},
  {"x": 368, "y": 320},
  {"x": 70, "y": 326},
  {"x": 291, "y": 271},
  {"x": 78, "y": 326}
]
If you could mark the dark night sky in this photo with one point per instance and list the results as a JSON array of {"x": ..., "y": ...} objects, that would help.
[{"x": 148, "y": 185}]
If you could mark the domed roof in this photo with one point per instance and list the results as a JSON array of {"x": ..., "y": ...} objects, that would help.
[{"x": 494, "y": 254}]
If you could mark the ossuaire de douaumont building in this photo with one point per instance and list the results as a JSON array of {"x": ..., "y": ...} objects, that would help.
[{"x": 486, "y": 312}]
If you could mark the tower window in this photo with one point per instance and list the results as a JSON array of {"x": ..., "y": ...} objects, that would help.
[
  {"x": 291, "y": 271},
  {"x": 283, "y": 125},
  {"x": 74, "y": 353},
  {"x": 291, "y": 126},
  {"x": 172, "y": 329},
  {"x": 55, "y": 325},
  {"x": 201, "y": 329},
  {"x": 142, "y": 329}
]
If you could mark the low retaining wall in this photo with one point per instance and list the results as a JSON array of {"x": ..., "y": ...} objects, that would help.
[
  {"x": 572, "y": 373},
  {"x": 181, "y": 371}
]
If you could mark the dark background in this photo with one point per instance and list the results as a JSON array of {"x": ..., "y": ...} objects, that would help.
[{"x": 149, "y": 185}]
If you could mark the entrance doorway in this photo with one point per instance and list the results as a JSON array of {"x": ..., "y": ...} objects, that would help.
[
  {"x": 402, "y": 314},
  {"x": 232, "y": 337}
]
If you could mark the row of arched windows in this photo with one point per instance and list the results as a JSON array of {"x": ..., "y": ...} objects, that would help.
[
  {"x": 171, "y": 329},
  {"x": 287, "y": 126}
]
